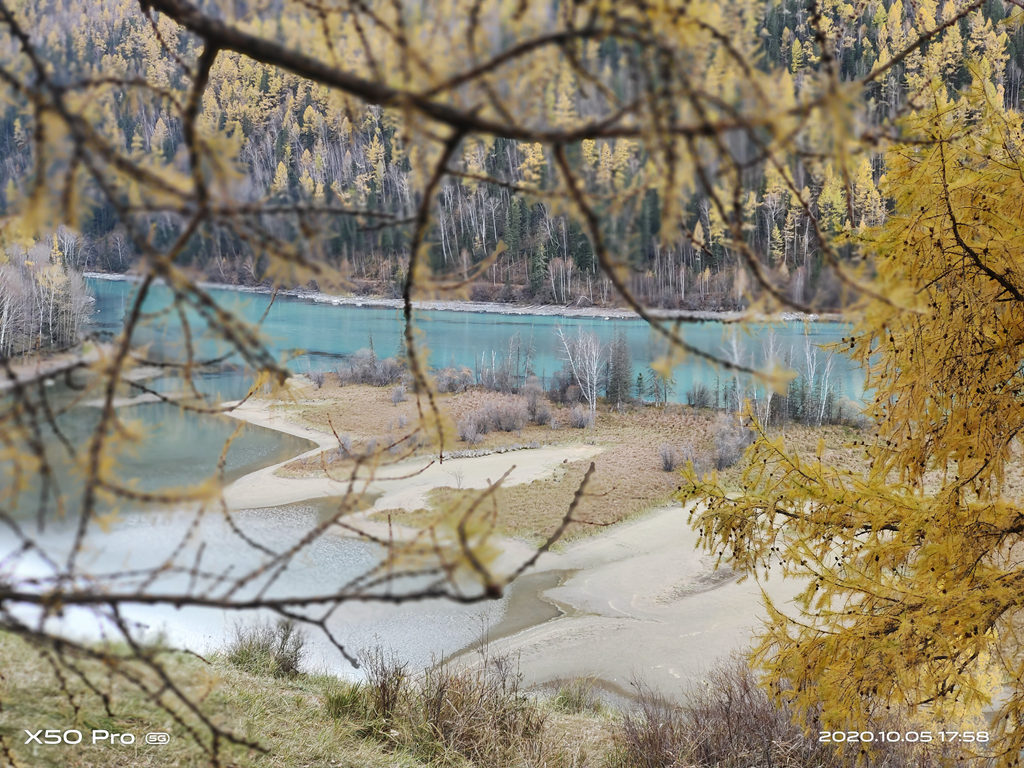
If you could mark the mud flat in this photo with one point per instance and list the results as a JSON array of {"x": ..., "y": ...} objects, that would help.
[
  {"x": 402, "y": 485},
  {"x": 641, "y": 603},
  {"x": 638, "y": 602}
]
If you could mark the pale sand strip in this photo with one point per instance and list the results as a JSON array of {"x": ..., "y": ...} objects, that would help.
[
  {"x": 642, "y": 603},
  {"x": 43, "y": 366},
  {"x": 503, "y": 308},
  {"x": 402, "y": 485}
]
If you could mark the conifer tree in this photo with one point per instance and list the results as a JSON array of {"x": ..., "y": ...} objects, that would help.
[{"x": 911, "y": 586}]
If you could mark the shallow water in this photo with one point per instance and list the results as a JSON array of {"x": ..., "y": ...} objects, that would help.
[
  {"x": 204, "y": 556},
  {"x": 182, "y": 449}
]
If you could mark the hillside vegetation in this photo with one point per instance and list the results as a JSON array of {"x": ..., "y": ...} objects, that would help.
[
  {"x": 475, "y": 716},
  {"x": 290, "y": 142}
]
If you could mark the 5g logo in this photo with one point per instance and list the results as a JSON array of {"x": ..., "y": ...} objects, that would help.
[{"x": 158, "y": 737}]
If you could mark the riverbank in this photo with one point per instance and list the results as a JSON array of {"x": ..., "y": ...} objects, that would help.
[
  {"x": 403, "y": 485},
  {"x": 490, "y": 307},
  {"x": 634, "y": 601},
  {"x": 640, "y": 604},
  {"x": 47, "y": 365}
]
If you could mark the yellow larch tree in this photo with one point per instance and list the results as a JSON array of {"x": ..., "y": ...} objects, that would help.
[{"x": 911, "y": 570}]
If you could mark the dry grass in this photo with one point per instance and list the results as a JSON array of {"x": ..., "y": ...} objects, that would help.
[
  {"x": 367, "y": 413},
  {"x": 471, "y": 717},
  {"x": 802, "y": 440},
  {"x": 629, "y": 477},
  {"x": 845, "y": 449},
  {"x": 728, "y": 721},
  {"x": 287, "y": 717},
  {"x": 456, "y": 718}
]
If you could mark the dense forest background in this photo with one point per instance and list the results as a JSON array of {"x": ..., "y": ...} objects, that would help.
[{"x": 296, "y": 144}]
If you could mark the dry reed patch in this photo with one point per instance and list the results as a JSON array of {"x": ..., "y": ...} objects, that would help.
[
  {"x": 841, "y": 443},
  {"x": 583, "y": 740},
  {"x": 630, "y": 476},
  {"x": 367, "y": 420},
  {"x": 729, "y": 721},
  {"x": 359, "y": 410},
  {"x": 845, "y": 449}
]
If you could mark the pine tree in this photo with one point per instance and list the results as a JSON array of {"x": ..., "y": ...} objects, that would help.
[{"x": 620, "y": 371}]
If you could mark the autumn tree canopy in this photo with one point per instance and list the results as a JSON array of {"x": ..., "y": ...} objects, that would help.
[{"x": 912, "y": 566}]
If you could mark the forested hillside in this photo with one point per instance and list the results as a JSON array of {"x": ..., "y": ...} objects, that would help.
[{"x": 296, "y": 144}]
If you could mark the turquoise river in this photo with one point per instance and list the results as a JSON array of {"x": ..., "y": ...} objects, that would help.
[{"x": 182, "y": 448}]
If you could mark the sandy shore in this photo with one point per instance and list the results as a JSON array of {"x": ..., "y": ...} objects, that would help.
[
  {"x": 638, "y": 602},
  {"x": 641, "y": 603},
  {"x": 494, "y": 307},
  {"x": 48, "y": 365},
  {"x": 402, "y": 485}
]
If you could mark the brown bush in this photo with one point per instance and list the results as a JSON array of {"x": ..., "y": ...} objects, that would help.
[
  {"x": 728, "y": 721},
  {"x": 481, "y": 713}
]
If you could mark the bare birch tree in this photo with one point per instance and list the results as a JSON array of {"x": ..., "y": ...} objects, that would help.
[{"x": 584, "y": 353}]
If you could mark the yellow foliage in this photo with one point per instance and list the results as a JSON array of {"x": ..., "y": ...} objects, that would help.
[{"x": 910, "y": 570}]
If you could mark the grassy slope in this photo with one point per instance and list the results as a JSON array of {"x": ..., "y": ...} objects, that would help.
[
  {"x": 477, "y": 721},
  {"x": 290, "y": 717},
  {"x": 262, "y": 708}
]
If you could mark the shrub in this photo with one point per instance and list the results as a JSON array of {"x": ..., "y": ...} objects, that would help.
[
  {"x": 386, "y": 372},
  {"x": 346, "y": 700},
  {"x": 386, "y": 681},
  {"x": 672, "y": 457},
  {"x": 533, "y": 394},
  {"x": 481, "y": 713},
  {"x": 398, "y": 395},
  {"x": 344, "y": 448},
  {"x": 536, "y": 405},
  {"x": 510, "y": 416},
  {"x": 317, "y": 377},
  {"x": 729, "y": 721},
  {"x": 580, "y": 418},
  {"x": 560, "y": 382},
  {"x": 364, "y": 367},
  {"x": 453, "y": 379},
  {"x": 504, "y": 417},
  {"x": 267, "y": 649},
  {"x": 669, "y": 457},
  {"x": 652, "y": 735},
  {"x": 700, "y": 396},
  {"x": 541, "y": 414},
  {"x": 731, "y": 440},
  {"x": 469, "y": 430},
  {"x": 577, "y": 696}
]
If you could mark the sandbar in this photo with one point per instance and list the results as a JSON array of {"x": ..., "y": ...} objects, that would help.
[
  {"x": 642, "y": 604},
  {"x": 637, "y": 603}
]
